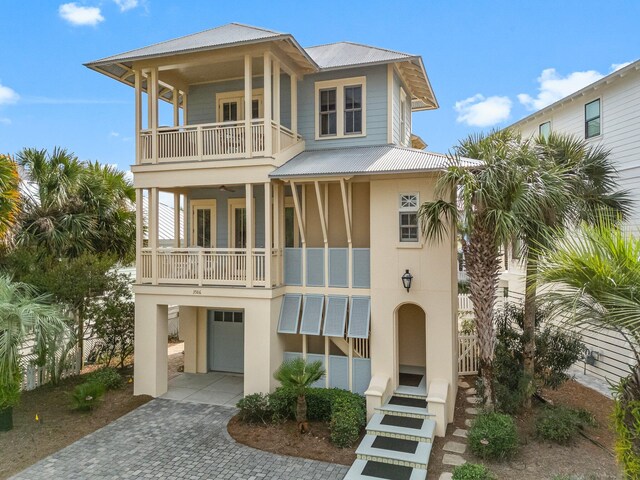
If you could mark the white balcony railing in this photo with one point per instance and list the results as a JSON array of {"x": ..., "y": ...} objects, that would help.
[
  {"x": 212, "y": 141},
  {"x": 203, "y": 266}
]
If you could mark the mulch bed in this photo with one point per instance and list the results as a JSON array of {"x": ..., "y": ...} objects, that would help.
[
  {"x": 58, "y": 425},
  {"x": 284, "y": 439},
  {"x": 541, "y": 460}
]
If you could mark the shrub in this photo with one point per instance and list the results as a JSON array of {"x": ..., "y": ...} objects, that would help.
[
  {"x": 256, "y": 408},
  {"x": 347, "y": 420},
  {"x": 107, "y": 376},
  {"x": 320, "y": 402},
  {"x": 561, "y": 424},
  {"x": 86, "y": 396},
  {"x": 493, "y": 436},
  {"x": 472, "y": 471}
]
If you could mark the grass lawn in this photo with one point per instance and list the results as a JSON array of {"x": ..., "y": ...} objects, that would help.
[{"x": 58, "y": 425}]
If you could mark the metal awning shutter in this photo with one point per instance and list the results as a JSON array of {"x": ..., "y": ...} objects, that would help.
[
  {"x": 290, "y": 313},
  {"x": 359, "y": 317},
  {"x": 312, "y": 314},
  {"x": 335, "y": 316}
]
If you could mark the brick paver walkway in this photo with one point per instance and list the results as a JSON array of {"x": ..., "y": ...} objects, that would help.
[{"x": 168, "y": 439}]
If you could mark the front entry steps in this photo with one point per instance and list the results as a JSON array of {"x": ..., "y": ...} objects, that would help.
[{"x": 398, "y": 441}]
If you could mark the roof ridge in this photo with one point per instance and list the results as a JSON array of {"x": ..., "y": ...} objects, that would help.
[
  {"x": 254, "y": 27},
  {"x": 364, "y": 45}
]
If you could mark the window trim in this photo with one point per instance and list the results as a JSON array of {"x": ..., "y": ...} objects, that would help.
[
  {"x": 599, "y": 117},
  {"x": 544, "y": 123},
  {"x": 194, "y": 205},
  {"x": 233, "y": 204},
  {"x": 402, "y": 210},
  {"x": 238, "y": 95},
  {"x": 339, "y": 85}
]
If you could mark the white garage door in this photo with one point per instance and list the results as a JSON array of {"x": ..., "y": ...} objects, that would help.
[{"x": 226, "y": 341}]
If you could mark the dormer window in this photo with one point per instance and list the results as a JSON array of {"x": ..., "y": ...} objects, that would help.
[{"x": 341, "y": 108}]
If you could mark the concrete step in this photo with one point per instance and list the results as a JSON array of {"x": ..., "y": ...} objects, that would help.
[
  {"x": 390, "y": 451},
  {"x": 411, "y": 392},
  {"x": 404, "y": 411},
  {"x": 379, "y": 425},
  {"x": 356, "y": 471}
]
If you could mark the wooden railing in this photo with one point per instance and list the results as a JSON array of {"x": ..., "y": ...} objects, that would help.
[
  {"x": 202, "y": 266},
  {"x": 212, "y": 141}
]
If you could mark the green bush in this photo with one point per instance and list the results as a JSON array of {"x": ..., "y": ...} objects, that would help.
[
  {"x": 320, "y": 402},
  {"x": 493, "y": 436},
  {"x": 347, "y": 420},
  {"x": 472, "y": 471},
  {"x": 107, "y": 376},
  {"x": 86, "y": 396},
  {"x": 626, "y": 419},
  {"x": 256, "y": 408},
  {"x": 561, "y": 424}
]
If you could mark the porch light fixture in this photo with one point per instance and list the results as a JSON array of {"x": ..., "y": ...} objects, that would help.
[{"x": 406, "y": 279}]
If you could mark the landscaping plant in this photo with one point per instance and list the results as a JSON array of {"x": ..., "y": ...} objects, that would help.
[
  {"x": 472, "y": 471},
  {"x": 493, "y": 436},
  {"x": 86, "y": 396},
  {"x": 347, "y": 420},
  {"x": 256, "y": 408},
  {"x": 561, "y": 424},
  {"x": 298, "y": 375},
  {"x": 106, "y": 376}
]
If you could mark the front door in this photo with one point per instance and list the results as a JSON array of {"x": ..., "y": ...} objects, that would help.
[
  {"x": 203, "y": 223},
  {"x": 226, "y": 341}
]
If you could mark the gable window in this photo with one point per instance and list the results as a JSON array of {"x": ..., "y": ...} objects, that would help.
[
  {"x": 592, "y": 119},
  {"x": 409, "y": 203},
  {"x": 544, "y": 129},
  {"x": 340, "y": 108},
  {"x": 353, "y": 109},
  {"x": 328, "y": 112}
]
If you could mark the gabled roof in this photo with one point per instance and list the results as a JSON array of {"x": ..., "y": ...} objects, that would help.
[
  {"x": 612, "y": 77},
  {"x": 364, "y": 161},
  {"x": 346, "y": 54}
]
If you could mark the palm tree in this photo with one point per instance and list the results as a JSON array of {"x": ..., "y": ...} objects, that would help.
[
  {"x": 583, "y": 189},
  {"x": 22, "y": 313},
  {"x": 492, "y": 200},
  {"x": 9, "y": 196},
  {"x": 297, "y": 375},
  {"x": 595, "y": 277}
]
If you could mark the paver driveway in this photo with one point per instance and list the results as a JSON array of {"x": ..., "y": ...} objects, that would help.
[{"x": 173, "y": 440}]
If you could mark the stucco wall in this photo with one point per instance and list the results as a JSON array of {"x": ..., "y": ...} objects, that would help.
[{"x": 412, "y": 337}]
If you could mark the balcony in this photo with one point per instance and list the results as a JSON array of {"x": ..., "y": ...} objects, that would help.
[{"x": 213, "y": 141}]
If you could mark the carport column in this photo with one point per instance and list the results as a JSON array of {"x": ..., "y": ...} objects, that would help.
[
  {"x": 151, "y": 334},
  {"x": 189, "y": 335},
  {"x": 250, "y": 228},
  {"x": 154, "y": 201}
]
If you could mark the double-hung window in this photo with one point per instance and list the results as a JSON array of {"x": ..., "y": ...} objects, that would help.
[
  {"x": 409, "y": 203},
  {"x": 340, "y": 108},
  {"x": 592, "y": 119}
]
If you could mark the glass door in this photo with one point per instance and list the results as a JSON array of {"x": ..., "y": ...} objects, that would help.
[{"x": 203, "y": 223}]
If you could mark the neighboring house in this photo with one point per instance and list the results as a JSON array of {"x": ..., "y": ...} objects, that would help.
[
  {"x": 301, "y": 189},
  {"x": 606, "y": 113}
]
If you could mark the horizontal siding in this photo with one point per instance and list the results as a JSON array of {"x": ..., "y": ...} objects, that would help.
[{"x": 376, "y": 108}]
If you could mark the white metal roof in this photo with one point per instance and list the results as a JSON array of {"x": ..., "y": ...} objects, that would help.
[
  {"x": 364, "y": 161},
  {"x": 632, "y": 67},
  {"x": 165, "y": 219},
  {"x": 345, "y": 54}
]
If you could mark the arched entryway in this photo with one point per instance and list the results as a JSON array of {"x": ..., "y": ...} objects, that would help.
[{"x": 412, "y": 346}]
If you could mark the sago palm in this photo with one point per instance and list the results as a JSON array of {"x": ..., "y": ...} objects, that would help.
[
  {"x": 594, "y": 279},
  {"x": 297, "y": 375},
  {"x": 23, "y": 313}
]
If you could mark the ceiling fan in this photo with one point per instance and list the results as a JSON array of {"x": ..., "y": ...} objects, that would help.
[{"x": 224, "y": 188}]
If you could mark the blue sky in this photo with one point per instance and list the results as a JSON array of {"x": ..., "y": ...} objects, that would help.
[{"x": 490, "y": 62}]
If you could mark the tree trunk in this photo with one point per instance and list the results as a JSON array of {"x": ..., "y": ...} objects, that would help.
[
  {"x": 529, "y": 324},
  {"x": 483, "y": 267},
  {"x": 301, "y": 414}
]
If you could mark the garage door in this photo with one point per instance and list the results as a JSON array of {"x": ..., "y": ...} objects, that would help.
[{"x": 226, "y": 341}]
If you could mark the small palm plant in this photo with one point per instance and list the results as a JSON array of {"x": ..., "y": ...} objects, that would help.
[{"x": 298, "y": 375}]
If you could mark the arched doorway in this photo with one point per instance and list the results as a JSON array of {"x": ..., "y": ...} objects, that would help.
[{"x": 412, "y": 346}]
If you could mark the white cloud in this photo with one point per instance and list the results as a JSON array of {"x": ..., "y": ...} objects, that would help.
[
  {"x": 5, "y": 121},
  {"x": 114, "y": 134},
  {"x": 478, "y": 111},
  {"x": 554, "y": 86},
  {"x": 78, "y": 15},
  {"x": 8, "y": 95},
  {"x": 617, "y": 66},
  {"x": 126, "y": 4}
]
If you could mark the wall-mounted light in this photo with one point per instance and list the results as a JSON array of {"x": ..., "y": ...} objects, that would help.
[{"x": 406, "y": 279}]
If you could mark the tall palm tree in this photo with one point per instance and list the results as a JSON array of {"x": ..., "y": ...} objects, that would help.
[
  {"x": 595, "y": 278},
  {"x": 23, "y": 313},
  {"x": 584, "y": 188},
  {"x": 298, "y": 375},
  {"x": 492, "y": 200},
  {"x": 9, "y": 196}
]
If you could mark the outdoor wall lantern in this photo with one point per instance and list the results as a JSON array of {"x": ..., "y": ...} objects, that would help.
[{"x": 406, "y": 279}]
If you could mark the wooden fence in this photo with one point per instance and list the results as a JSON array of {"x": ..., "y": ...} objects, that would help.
[{"x": 468, "y": 354}]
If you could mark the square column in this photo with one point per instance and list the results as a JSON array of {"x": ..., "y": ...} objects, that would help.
[
  {"x": 151, "y": 333},
  {"x": 268, "y": 138},
  {"x": 189, "y": 335},
  {"x": 250, "y": 219},
  {"x": 248, "y": 103}
]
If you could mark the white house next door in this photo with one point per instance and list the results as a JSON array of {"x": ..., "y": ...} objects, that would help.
[{"x": 225, "y": 342}]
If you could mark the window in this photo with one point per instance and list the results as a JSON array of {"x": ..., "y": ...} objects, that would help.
[
  {"x": 203, "y": 225},
  {"x": 230, "y": 105},
  {"x": 230, "y": 111},
  {"x": 340, "y": 108},
  {"x": 544, "y": 129},
  {"x": 353, "y": 109},
  {"x": 229, "y": 317},
  {"x": 592, "y": 119},
  {"x": 328, "y": 113},
  {"x": 409, "y": 203}
]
